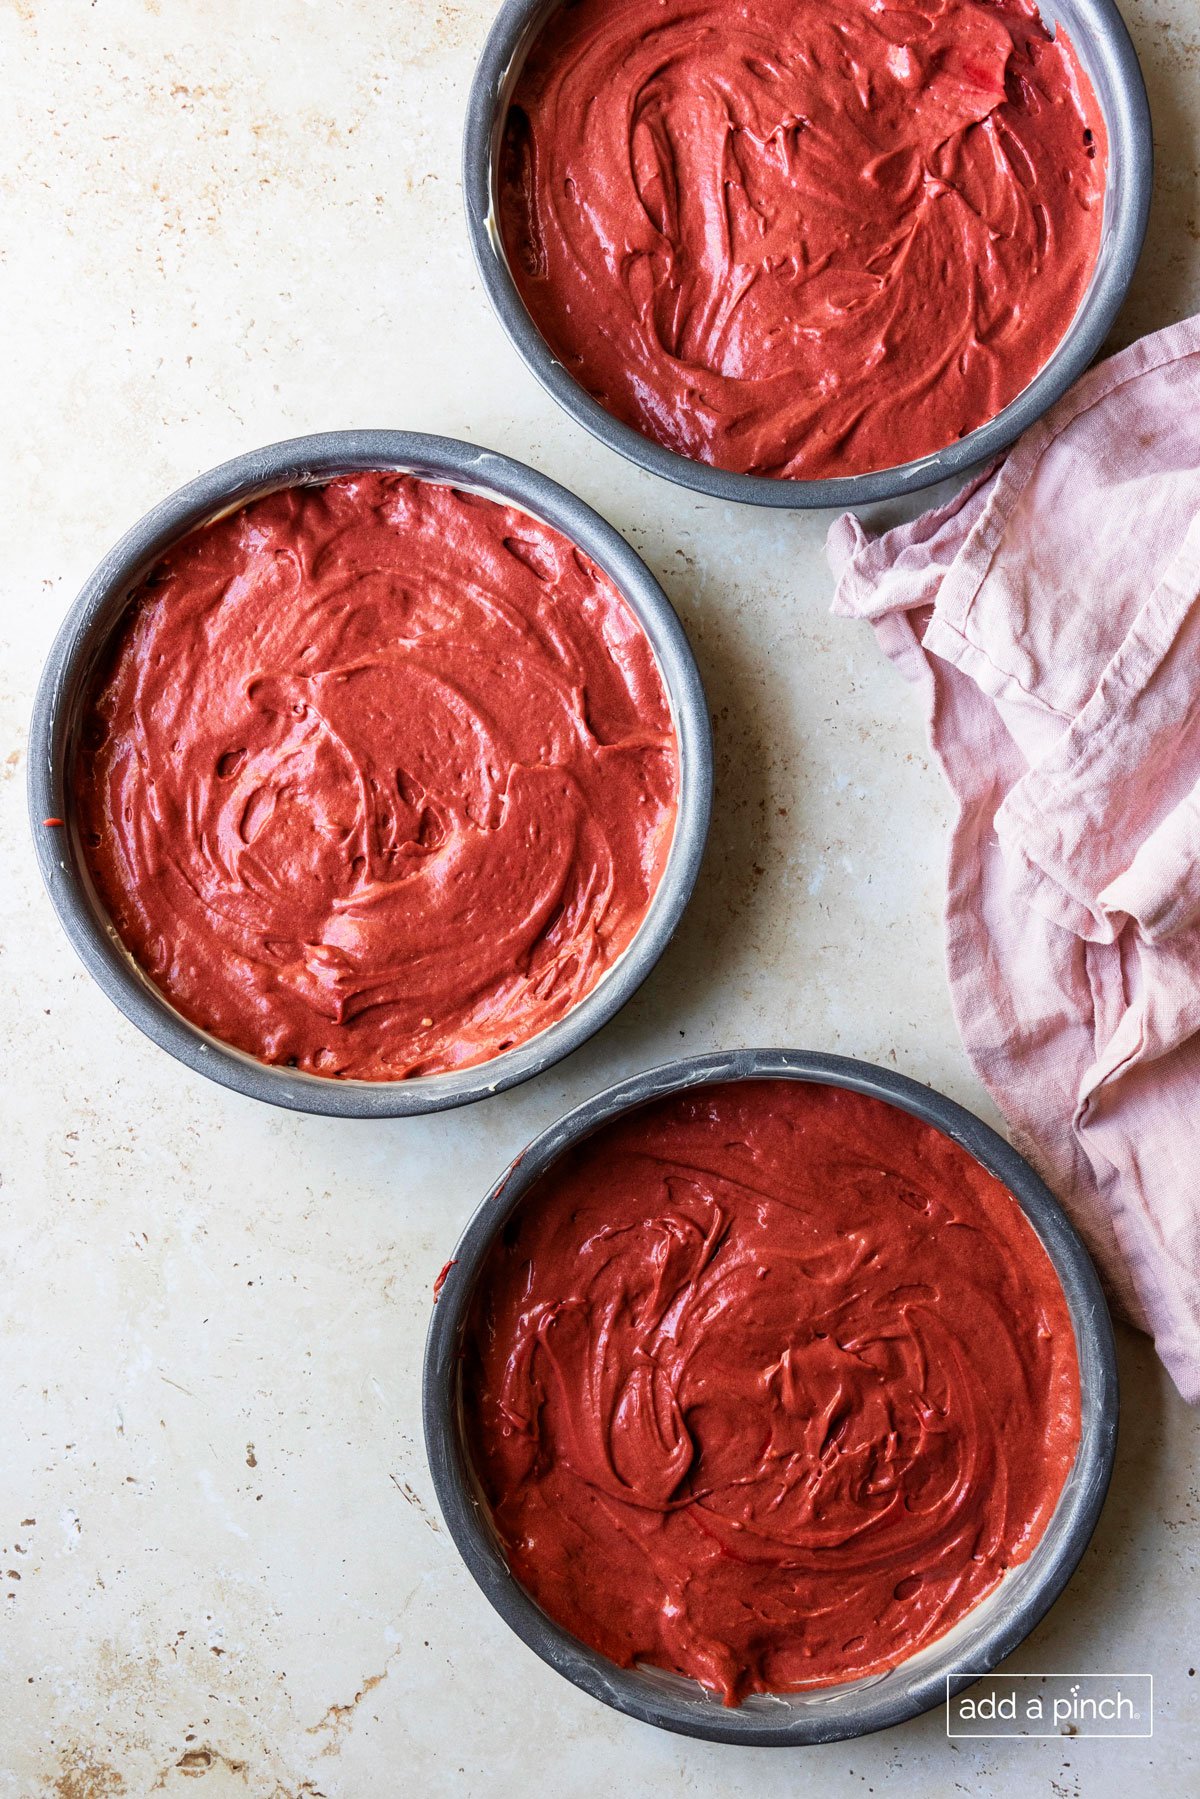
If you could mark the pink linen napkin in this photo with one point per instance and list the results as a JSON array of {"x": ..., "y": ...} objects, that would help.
[{"x": 1050, "y": 614}]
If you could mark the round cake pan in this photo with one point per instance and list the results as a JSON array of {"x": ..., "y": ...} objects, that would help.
[
  {"x": 1099, "y": 35},
  {"x": 820, "y": 1715},
  {"x": 89, "y": 626}
]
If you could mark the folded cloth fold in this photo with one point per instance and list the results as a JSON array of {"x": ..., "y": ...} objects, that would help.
[{"x": 1050, "y": 614}]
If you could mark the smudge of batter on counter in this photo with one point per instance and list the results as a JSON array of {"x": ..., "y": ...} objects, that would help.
[{"x": 409, "y": 1493}]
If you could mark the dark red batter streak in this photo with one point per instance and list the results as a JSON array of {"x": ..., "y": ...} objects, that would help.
[{"x": 769, "y": 1385}]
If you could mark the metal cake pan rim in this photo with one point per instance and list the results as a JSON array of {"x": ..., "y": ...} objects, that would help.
[
  {"x": 1130, "y": 139},
  {"x": 89, "y": 624},
  {"x": 862, "y": 1710}
]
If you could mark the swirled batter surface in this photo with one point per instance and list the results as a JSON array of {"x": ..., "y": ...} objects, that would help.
[
  {"x": 802, "y": 238},
  {"x": 768, "y": 1384},
  {"x": 381, "y": 779}
]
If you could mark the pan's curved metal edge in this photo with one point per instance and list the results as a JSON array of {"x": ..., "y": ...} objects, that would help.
[
  {"x": 1131, "y": 141},
  {"x": 89, "y": 623},
  {"x": 862, "y": 1710}
]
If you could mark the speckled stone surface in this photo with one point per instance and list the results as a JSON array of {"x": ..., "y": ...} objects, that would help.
[{"x": 222, "y": 224}]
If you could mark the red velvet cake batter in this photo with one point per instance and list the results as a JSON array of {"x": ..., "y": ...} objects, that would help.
[
  {"x": 802, "y": 238},
  {"x": 768, "y": 1384},
  {"x": 381, "y": 779}
]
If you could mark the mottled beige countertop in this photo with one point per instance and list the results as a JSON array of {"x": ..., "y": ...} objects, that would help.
[{"x": 222, "y": 224}]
